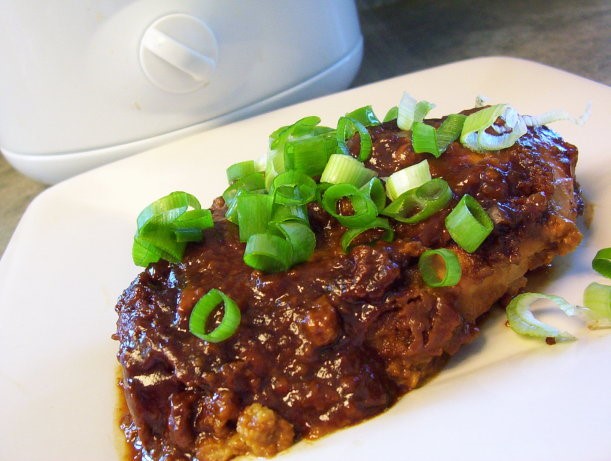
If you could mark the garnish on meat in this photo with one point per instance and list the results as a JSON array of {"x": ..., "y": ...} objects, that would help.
[{"x": 326, "y": 343}]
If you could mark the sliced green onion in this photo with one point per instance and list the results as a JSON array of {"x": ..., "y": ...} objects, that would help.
[
  {"x": 410, "y": 111},
  {"x": 232, "y": 207},
  {"x": 310, "y": 154},
  {"x": 254, "y": 212},
  {"x": 365, "y": 211},
  {"x": 166, "y": 209},
  {"x": 293, "y": 188},
  {"x": 290, "y": 135},
  {"x": 475, "y": 134},
  {"x": 440, "y": 268},
  {"x": 151, "y": 248},
  {"x": 282, "y": 213},
  {"x": 392, "y": 114},
  {"x": 188, "y": 226},
  {"x": 188, "y": 234},
  {"x": 421, "y": 203},
  {"x": 378, "y": 223},
  {"x": 321, "y": 187},
  {"x": 164, "y": 227},
  {"x": 521, "y": 319},
  {"x": 427, "y": 139},
  {"x": 274, "y": 166},
  {"x": 202, "y": 310},
  {"x": 346, "y": 127},
  {"x": 240, "y": 169},
  {"x": 301, "y": 238},
  {"x": 408, "y": 178},
  {"x": 344, "y": 169},
  {"x": 301, "y": 127},
  {"x": 165, "y": 240},
  {"x": 268, "y": 253},
  {"x": 555, "y": 116},
  {"x": 201, "y": 219},
  {"x": 602, "y": 262},
  {"x": 424, "y": 139},
  {"x": 469, "y": 224},
  {"x": 449, "y": 131},
  {"x": 597, "y": 299},
  {"x": 405, "y": 111},
  {"x": 252, "y": 182},
  {"x": 480, "y": 120},
  {"x": 422, "y": 109},
  {"x": 365, "y": 116},
  {"x": 374, "y": 188}
]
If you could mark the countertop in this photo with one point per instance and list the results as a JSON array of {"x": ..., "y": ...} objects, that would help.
[{"x": 406, "y": 36}]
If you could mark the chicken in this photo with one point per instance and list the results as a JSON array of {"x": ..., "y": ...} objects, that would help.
[{"x": 340, "y": 338}]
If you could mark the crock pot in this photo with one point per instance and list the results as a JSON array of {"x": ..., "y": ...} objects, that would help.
[{"x": 85, "y": 82}]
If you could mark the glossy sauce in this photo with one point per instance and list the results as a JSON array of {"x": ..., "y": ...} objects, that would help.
[{"x": 338, "y": 339}]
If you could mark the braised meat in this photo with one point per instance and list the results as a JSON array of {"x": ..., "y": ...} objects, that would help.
[{"x": 340, "y": 338}]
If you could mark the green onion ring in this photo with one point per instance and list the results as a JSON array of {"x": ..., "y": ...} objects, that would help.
[
  {"x": 449, "y": 131},
  {"x": 146, "y": 251},
  {"x": 421, "y": 203},
  {"x": 427, "y": 139},
  {"x": 424, "y": 139},
  {"x": 365, "y": 116},
  {"x": 475, "y": 136},
  {"x": 521, "y": 319},
  {"x": 254, "y": 213},
  {"x": 283, "y": 213},
  {"x": 293, "y": 188},
  {"x": 602, "y": 262},
  {"x": 283, "y": 137},
  {"x": 252, "y": 182},
  {"x": 164, "y": 238},
  {"x": 376, "y": 192},
  {"x": 378, "y": 223},
  {"x": 300, "y": 128},
  {"x": 342, "y": 169},
  {"x": 188, "y": 234},
  {"x": 597, "y": 299},
  {"x": 301, "y": 238},
  {"x": 430, "y": 269},
  {"x": 191, "y": 221},
  {"x": 268, "y": 253},
  {"x": 310, "y": 154},
  {"x": 164, "y": 227},
  {"x": 166, "y": 209},
  {"x": 365, "y": 211},
  {"x": 469, "y": 224},
  {"x": 202, "y": 310},
  {"x": 410, "y": 110},
  {"x": 239, "y": 170},
  {"x": 345, "y": 128},
  {"x": 321, "y": 187},
  {"x": 392, "y": 114},
  {"x": 407, "y": 178}
]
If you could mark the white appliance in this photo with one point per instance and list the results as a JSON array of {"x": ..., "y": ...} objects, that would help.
[{"x": 85, "y": 82}]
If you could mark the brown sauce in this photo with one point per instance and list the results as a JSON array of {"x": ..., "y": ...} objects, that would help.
[
  {"x": 125, "y": 450},
  {"x": 339, "y": 339}
]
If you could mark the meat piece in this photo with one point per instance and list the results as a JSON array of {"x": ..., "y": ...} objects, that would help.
[
  {"x": 259, "y": 431},
  {"x": 337, "y": 339},
  {"x": 263, "y": 431}
]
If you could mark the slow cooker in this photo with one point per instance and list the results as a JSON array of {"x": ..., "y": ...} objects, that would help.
[{"x": 85, "y": 82}]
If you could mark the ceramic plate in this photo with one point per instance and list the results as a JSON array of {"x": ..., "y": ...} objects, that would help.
[{"x": 502, "y": 398}]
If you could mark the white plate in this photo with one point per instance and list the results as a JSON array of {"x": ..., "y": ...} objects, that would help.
[{"x": 502, "y": 398}]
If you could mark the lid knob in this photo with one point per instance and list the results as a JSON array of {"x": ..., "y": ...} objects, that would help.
[{"x": 178, "y": 53}]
